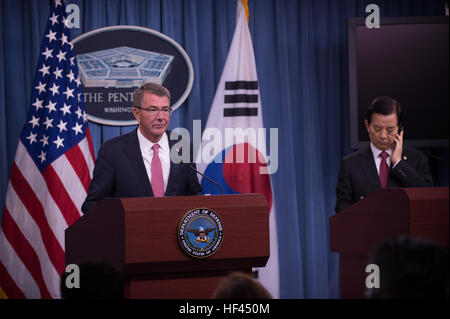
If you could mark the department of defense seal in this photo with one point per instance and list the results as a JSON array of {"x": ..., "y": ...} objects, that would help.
[{"x": 200, "y": 232}]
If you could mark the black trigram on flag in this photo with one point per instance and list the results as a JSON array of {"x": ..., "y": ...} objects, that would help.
[{"x": 233, "y": 98}]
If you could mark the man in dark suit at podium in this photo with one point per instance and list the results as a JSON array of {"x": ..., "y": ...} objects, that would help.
[
  {"x": 385, "y": 162},
  {"x": 138, "y": 164}
]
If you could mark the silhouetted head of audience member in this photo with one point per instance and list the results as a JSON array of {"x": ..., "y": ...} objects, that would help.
[
  {"x": 410, "y": 268},
  {"x": 97, "y": 280},
  {"x": 240, "y": 286}
]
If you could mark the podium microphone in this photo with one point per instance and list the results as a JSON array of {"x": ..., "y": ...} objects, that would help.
[{"x": 209, "y": 179}]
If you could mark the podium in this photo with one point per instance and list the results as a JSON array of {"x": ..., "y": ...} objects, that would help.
[
  {"x": 138, "y": 236},
  {"x": 356, "y": 230}
]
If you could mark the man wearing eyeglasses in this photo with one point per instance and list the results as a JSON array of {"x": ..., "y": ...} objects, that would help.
[{"x": 138, "y": 164}]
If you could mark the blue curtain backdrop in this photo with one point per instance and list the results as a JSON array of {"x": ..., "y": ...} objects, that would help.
[{"x": 301, "y": 56}]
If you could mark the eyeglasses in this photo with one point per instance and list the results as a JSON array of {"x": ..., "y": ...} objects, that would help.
[{"x": 154, "y": 110}]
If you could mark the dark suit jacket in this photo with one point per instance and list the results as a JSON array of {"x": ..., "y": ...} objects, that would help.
[
  {"x": 120, "y": 172},
  {"x": 358, "y": 176}
]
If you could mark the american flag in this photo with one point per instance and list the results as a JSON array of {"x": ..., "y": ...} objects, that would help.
[{"x": 51, "y": 171}]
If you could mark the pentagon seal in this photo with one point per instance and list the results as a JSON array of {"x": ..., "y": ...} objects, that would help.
[
  {"x": 113, "y": 61},
  {"x": 200, "y": 232}
]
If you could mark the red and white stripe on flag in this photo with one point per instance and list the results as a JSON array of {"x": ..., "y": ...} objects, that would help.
[{"x": 51, "y": 172}]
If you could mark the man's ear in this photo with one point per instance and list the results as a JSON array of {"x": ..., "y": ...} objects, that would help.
[
  {"x": 136, "y": 113},
  {"x": 366, "y": 123}
]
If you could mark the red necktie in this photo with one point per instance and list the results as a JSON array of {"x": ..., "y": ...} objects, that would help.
[
  {"x": 384, "y": 169},
  {"x": 157, "y": 174}
]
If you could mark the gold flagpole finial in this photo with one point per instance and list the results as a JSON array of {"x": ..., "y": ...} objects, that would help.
[{"x": 245, "y": 3}]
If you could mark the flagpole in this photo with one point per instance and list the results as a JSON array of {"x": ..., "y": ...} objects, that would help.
[{"x": 237, "y": 107}]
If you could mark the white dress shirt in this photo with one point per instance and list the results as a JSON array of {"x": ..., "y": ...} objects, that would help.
[
  {"x": 376, "y": 156},
  {"x": 147, "y": 155}
]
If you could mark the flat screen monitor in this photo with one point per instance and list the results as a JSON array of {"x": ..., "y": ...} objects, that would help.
[{"x": 406, "y": 59}]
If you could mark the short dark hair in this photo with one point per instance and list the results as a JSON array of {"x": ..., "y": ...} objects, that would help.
[
  {"x": 239, "y": 285},
  {"x": 410, "y": 267},
  {"x": 152, "y": 88},
  {"x": 385, "y": 105}
]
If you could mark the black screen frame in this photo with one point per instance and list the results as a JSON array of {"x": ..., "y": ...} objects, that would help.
[{"x": 352, "y": 23}]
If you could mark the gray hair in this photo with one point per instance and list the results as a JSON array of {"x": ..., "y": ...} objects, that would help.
[{"x": 152, "y": 88}]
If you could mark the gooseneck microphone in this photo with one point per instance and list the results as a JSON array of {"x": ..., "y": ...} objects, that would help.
[{"x": 209, "y": 179}]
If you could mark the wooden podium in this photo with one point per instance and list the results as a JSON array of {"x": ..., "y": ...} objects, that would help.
[
  {"x": 139, "y": 237},
  {"x": 355, "y": 231}
]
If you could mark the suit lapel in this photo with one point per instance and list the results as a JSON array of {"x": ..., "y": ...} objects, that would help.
[
  {"x": 135, "y": 156},
  {"x": 392, "y": 182},
  {"x": 369, "y": 168}
]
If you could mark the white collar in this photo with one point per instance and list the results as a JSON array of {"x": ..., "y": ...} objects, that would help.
[
  {"x": 147, "y": 144},
  {"x": 376, "y": 151}
]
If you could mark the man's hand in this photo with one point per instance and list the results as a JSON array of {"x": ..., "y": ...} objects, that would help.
[{"x": 397, "y": 148}]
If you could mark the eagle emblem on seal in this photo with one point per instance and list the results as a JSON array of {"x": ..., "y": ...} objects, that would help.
[{"x": 201, "y": 234}]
